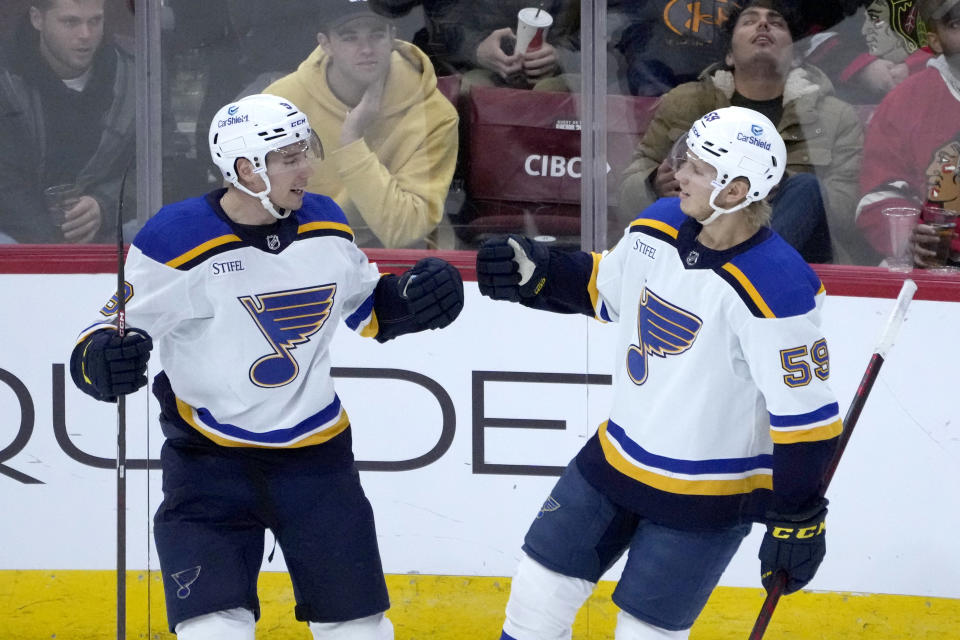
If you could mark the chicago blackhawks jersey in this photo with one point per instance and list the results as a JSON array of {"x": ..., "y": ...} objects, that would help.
[
  {"x": 720, "y": 360},
  {"x": 911, "y": 152},
  {"x": 242, "y": 318}
]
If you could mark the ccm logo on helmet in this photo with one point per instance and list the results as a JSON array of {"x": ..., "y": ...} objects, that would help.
[
  {"x": 298, "y": 122},
  {"x": 232, "y": 120},
  {"x": 757, "y": 142}
]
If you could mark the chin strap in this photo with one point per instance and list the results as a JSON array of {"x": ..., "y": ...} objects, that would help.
[
  {"x": 717, "y": 211},
  {"x": 263, "y": 197}
]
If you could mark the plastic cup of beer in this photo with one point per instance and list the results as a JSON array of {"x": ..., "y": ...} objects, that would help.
[
  {"x": 532, "y": 25},
  {"x": 900, "y": 224},
  {"x": 60, "y": 198},
  {"x": 944, "y": 222}
]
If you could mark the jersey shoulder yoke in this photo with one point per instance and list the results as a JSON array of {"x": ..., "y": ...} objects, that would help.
[
  {"x": 773, "y": 280},
  {"x": 181, "y": 232},
  {"x": 660, "y": 220},
  {"x": 322, "y": 216}
]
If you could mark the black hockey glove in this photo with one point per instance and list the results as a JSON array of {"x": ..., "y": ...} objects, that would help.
[
  {"x": 110, "y": 366},
  {"x": 512, "y": 267},
  {"x": 433, "y": 290},
  {"x": 795, "y": 544}
]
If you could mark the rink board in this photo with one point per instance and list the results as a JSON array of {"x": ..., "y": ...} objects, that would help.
[
  {"x": 78, "y": 605},
  {"x": 454, "y": 489}
]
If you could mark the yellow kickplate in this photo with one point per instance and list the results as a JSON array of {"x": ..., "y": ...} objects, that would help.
[{"x": 79, "y": 605}]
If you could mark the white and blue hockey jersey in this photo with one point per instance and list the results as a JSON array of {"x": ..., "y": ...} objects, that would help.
[
  {"x": 242, "y": 318},
  {"x": 720, "y": 359}
]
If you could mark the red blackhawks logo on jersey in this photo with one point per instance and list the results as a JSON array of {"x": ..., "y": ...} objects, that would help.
[{"x": 943, "y": 180}]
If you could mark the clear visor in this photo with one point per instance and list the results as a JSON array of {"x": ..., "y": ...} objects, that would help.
[
  {"x": 679, "y": 153},
  {"x": 296, "y": 156}
]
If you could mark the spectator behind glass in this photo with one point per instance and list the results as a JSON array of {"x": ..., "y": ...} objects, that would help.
[
  {"x": 66, "y": 117},
  {"x": 669, "y": 43},
  {"x": 870, "y": 53},
  {"x": 440, "y": 37},
  {"x": 389, "y": 134},
  {"x": 477, "y": 38},
  {"x": 490, "y": 34},
  {"x": 231, "y": 44},
  {"x": 813, "y": 208},
  {"x": 912, "y": 146}
]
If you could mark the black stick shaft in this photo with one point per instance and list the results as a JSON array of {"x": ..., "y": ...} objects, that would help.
[
  {"x": 849, "y": 422},
  {"x": 121, "y": 435}
]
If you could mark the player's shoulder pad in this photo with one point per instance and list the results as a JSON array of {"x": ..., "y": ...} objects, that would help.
[
  {"x": 773, "y": 280},
  {"x": 322, "y": 216},
  {"x": 660, "y": 220},
  {"x": 184, "y": 234}
]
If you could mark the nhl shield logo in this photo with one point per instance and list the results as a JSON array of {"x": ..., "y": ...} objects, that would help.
[{"x": 273, "y": 242}]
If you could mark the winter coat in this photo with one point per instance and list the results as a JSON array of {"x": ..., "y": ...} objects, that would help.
[
  {"x": 23, "y": 143},
  {"x": 823, "y": 135}
]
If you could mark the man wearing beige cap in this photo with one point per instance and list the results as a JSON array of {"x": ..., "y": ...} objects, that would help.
[
  {"x": 390, "y": 135},
  {"x": 913, "y": 141}
]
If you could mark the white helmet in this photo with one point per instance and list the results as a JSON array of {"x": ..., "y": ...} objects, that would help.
[
  {"x": 251, "y": 128},
  {"x": 739, "y": 143}
]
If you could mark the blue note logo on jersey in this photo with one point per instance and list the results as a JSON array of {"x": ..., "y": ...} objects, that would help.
[
  {"x": 664, "y": 330},
  {"x": 286, "y": 319},
  {"x": 184, "y": 579},
  {"x": 550, "y": 504},
  {"x": 110, "y": 308}
]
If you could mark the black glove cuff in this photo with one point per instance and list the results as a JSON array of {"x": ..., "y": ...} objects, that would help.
[
  {"x": 79, "y": 367},
  {"x": 802, "y": 526}
]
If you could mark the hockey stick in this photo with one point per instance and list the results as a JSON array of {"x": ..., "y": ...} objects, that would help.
[
  {"x": 121, "y": 433},
  {"x": 849, "y": 422}
]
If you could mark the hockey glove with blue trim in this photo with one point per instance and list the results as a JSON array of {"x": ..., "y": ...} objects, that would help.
[
  {"x": 106, "y": 365},
  {"x": 795, "y": 544},
  {"x": 512, "y": 267},
  {"x": 433, "y": 291}
]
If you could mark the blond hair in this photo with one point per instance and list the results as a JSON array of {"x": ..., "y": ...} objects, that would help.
[{"x": 758, "y": 213}]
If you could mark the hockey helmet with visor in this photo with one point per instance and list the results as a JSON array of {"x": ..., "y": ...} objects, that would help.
[
  {"x": 264, "y": 130},
  {"x": 738, "y": 143}
]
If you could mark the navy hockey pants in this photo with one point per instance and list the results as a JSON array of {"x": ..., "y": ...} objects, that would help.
[
  {"x": 669, "y": 574},
  {"x": 217, "y": 504}
]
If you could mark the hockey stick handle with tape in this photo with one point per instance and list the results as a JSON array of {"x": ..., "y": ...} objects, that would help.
[{"x": 887, "y": 337}]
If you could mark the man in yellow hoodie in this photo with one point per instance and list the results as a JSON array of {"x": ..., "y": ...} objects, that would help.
[{"x": 391, "y": 136}]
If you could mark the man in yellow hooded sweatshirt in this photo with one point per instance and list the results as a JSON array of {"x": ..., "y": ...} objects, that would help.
[{"x": 389, "y": 134}]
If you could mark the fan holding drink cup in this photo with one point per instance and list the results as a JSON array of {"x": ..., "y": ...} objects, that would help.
[
  {"x": 513, "y": 44},
  {"x": 935, "y": 240},
  {"x": 76, "y": 214},
  {"x": 921, "y": 236}
]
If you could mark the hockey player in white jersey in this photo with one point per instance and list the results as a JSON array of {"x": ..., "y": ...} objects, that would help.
[
  {"x": 242, "y": 290},
  {"x": 721, "y": 412}
]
